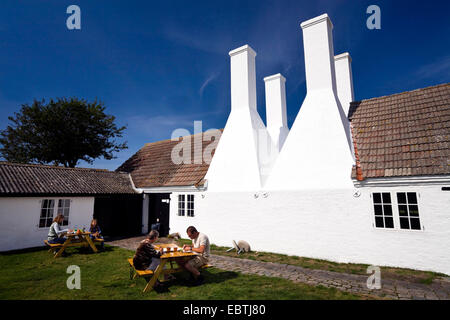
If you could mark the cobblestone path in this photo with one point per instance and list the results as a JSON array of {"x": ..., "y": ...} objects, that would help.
[{"x": 390, "y": 288}]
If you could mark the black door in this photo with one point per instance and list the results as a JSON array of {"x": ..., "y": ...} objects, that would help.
[{"x": 159, "y": 207}]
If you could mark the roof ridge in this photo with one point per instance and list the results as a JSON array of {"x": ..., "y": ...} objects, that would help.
[
  {"x": 399, "y": 93},
  {"x": 191, "y": 135},
  {"x": 46, "y": 166}
]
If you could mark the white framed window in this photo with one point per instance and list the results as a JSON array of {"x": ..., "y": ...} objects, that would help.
[
  {"x": 46, "y": 217},
  {"x": 408, "y": 210},
  {"x": 382, "y": 205},
  {"x": 398, "y": 212},
  {"x": 186, "y": 205},
  {"x": 48, "y": 211},
  {"x": 181, "y": 204},
  {"x": 190, "y": 205}
]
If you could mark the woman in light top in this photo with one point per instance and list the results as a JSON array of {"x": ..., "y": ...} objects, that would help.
[{"x": 55, "y": 233}]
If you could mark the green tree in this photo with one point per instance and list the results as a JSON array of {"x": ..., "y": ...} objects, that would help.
[{"x": 64, "y": 131}]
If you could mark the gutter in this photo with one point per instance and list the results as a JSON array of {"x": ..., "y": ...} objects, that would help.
[{"x": 137, "y": 190}]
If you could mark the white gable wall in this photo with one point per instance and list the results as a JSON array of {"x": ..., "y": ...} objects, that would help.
[
  {"x": 19, "y": 220},
  {"x": 325, "y": 224}
]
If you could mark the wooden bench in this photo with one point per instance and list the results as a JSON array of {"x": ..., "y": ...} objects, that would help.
[{"x": 53, "y": 246}]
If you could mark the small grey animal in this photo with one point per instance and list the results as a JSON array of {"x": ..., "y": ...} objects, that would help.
[
  {"x": 175, "y": 236},
  {"x": 241, "y": 246}
]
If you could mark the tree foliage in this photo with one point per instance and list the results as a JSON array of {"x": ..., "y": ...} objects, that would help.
[{"x": 63, "y": 131}]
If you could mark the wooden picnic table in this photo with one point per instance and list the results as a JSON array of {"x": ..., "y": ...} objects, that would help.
[
  {"x": 82, "y": 239},
  {"x": 169, "y": 259}
]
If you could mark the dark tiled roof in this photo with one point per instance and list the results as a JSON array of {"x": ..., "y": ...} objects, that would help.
[
  {"x": 29, "y": 179},
  {"x": 405, "y": 134},
  {"x": 152, "y": 165}
]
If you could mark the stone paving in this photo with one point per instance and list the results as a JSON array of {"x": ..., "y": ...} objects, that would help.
[{"x": 357, "y": 284}]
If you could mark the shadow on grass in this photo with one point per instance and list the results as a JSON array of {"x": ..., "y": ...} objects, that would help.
[
  {"x": 184, "y": 279},
  {"x": 27, "y": 250}
]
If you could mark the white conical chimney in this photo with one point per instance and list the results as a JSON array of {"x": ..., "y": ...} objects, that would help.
[
  {"x": 240, "y": 162},
  {"x": 276, "y": 117},
  {"x": 344, "y": 80},
  {"x": 317, "y": 153}
]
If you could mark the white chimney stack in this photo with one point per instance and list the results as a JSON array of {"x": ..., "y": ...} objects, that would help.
[
  {"x": 317, "y": 153},
  {"x": 243, "y": 78},
  {"x": 319, "y": 57},
  {"x": 276, "y": 117},
  {"x": 344, "y": 80}
]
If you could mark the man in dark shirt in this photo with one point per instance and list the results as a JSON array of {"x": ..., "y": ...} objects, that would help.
[{"x": 146, "y": 256}]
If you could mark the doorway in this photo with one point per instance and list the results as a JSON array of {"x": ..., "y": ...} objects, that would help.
[{"x": 159, "y": 208}]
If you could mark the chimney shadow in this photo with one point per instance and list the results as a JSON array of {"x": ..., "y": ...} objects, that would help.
[{"x": 353, "y": 107}]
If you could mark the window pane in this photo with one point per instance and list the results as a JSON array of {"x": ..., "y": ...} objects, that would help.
[
  {"x": 43, "y": 213},
  {"x": 386, "y": 197},
  {"x": 401, "y": 197},
  {"x": 49, "y": 222},
  {"x": 67, "y": 203},
  {"x": 415, "y": 224},
  {"x": 412, "y": 198},
  {"x": 51, "y": 204},
  {"x": 389, "y": 222},
  {"x": 379, "y": 222},
  {"x": 403, "y": 211},
  {"x": 387, "y": 210},
  {"x": 404, "y": 223},
  {"x": 377, "y": 198},
  {"x": 41, "y": 223},
  {"x": 378, "y": 209},
  {"x": 45, "y": 204},
  {"x": 413, "y": 211}
]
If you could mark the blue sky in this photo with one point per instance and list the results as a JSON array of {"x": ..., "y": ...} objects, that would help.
[{"x": 160, "y": 65}]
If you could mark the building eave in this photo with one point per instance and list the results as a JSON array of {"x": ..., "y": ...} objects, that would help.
[
  {"x": 402, "y": 181},
  {"x": 172, "y": 189}
]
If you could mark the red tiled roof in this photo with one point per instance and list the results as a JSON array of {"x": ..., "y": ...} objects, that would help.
[
  {"x": 152, "y": 165},
  {"x": 405, "y": 134},
  {"x": 29, "y": 179}
]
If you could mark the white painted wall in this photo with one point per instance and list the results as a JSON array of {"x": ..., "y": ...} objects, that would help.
[
  {"x": 324, "y": 224},
  {"x": 19, "y": 220}
]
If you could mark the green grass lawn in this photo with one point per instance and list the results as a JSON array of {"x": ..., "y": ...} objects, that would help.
[
  {"x": 105, "y": 275},
  {"x": 387, "y": 272}
]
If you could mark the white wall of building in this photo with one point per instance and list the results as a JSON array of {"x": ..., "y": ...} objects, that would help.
[
  {"x": 324, "y": 224},
  {"x": 19, "y": 220}
]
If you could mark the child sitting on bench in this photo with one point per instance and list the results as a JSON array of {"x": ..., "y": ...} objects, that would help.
[{"x": 95, "y": 231}]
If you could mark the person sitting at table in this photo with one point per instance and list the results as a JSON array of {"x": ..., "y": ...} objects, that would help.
[
  {"x": 95, "y": 231},
  {"x": 55, "y": 233},
  {"x": 146, "y": 256},
  {"x": 201, "y": 246}
]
